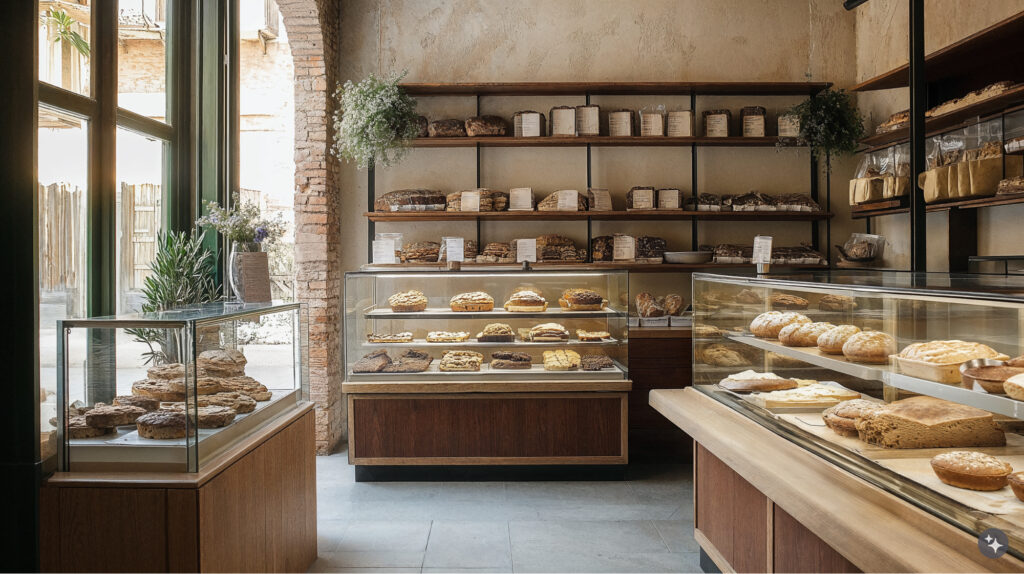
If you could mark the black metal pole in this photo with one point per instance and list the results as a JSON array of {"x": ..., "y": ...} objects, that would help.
[
  {"x": 371, "y": 196},
  {"x": 918, "y": 103},
  {"x": 694, "y": 234}
]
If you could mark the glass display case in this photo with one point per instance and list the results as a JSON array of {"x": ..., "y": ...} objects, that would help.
[
  {"x": 170, "y": 391},
  {"x": 760, "y": 349},
  {"x": 486, "y": 326}
]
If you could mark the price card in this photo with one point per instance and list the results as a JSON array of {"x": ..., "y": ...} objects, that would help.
[
  {"x": 753, "y": 126},
  {"x": 643, "y": 199},
  {"x": 762, "y": 249},
  {"x": 520, "y": 199},
  {"x": 568, "y": 200},
  {"x": 623, "y": 248},
  {"x": 384, "y": 251},
  {"x": 716, "y": 126},
  {"x": 526, "y": 250},
  {"x": 668, "y": 199},
  {"x": 455, "y": 248},
  {"x": 602, "y": 200},
  {"x": 470, "y": 201},
  {"x": 529, "y": 124}
]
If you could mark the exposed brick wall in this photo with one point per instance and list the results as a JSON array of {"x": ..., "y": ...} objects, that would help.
[{"x": 313, "y": 30}]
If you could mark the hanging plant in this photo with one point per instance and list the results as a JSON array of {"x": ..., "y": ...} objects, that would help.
[
  {"x": 374, "y": 121},
  {"x": 830, "y": 124}
]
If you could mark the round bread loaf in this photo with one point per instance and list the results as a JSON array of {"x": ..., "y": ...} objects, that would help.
[
  {"x": 1016, "y": 481},
  {"x": 162, "y": 425},
  {"x": 166, "y": 390},
  {"x": 971, "y": 470},
  {"x": 767, "y": 325},
  {"x": 869, "y": 347},
  {"x": 803, "y": 334},
  {"x": 79, "y": 428},
  {"x": 842, "y": 418},
  {"x": 146, "y": 403},
  {"x": 832, "y": 341},
  {"x": 222, "y": 362},
  {"x": 1014, "y": 387}
]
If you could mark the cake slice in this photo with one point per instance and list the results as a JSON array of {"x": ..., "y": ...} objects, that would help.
[{"x": 927, "y": 422}]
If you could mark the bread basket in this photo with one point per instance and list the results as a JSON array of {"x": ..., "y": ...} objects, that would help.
[{"x": 947, "y": 373}]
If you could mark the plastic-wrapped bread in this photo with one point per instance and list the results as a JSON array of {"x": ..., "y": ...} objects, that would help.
[
  {"x": 490, "y": 200},
  {"x": 620, "y": 123},
  {"x": 563, "y": 121},
  {"x": 528, "y": 124},
  {"x": 550, "y": 203},
  {"x": 411, "y": 200}
]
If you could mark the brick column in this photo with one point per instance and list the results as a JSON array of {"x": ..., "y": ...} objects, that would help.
[{"x": 313, "y": 28}]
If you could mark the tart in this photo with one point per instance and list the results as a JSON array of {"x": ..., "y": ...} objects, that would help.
[
  {"x": 768, "y": 325},
  {"x": 869, "y": 347},
  {"x": 408, "y": 301},
  {"x": 473, "y": 301},
  {"x": 971, "y": 470},
  {"x": 832, "y": 341},
  {"x": 581, "y": 300},
  {"x": 526, "y": 301}
]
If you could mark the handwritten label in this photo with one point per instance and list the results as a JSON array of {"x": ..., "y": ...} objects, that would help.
[
  {"x": 526, "y": 250},
  {"x": 716, "y": 126},
  {"x": 520, "y": 199},
  {"x": 789, "y": 126},
  {"x": 680, "y": 124},
  {"x": 384, "y": 251},
  {"x": 601, "y": 200},
  {"x": 651, "y": 124},
  {"x": 568, "y": 200},
  {"x": 620, "y": 124},
  {"x": 643, "y": 199},
  {"x": 528, "y": 125},
  {"x": 470, "y": 201},
  {"x": 455, "y": 248},
  {"x": 753, "y": 126},
  {"x": 623, "y": 248},
  {"x": 668, "y": 199},
  {"x": 762, "y": 249}
]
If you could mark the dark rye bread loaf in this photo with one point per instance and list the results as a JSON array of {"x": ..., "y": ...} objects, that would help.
[
  {"x": 410, "y": 200},
  {"x": 486, "y": 126},
  {"x": 602, "y": 247},
  {"x": 447, "y": 129}
]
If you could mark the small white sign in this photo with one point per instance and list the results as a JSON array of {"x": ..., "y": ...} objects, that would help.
[
  {"x": 643, "y": 199},
  {"x": 568, "y": 200},
  {"x": 383, "y": 251},
  {"x": 520, "y": 199},
  {"x": 526, "y": 250},
  {"x": 668, "y": 199},
  {"x": 470, "y": 201},
  {"x": 602, "y": 200},
  {"x": 753, "y": 126},
  {"x": 623, "y": 248},
  {"x": 762, "y": 249},
  {"x": 455, "y": 248}
]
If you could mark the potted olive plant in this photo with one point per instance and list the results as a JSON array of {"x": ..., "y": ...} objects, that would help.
[{"x": 374, "y": 121}]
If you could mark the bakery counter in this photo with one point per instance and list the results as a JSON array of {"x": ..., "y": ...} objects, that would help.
[{"x": 446, "y": 313}]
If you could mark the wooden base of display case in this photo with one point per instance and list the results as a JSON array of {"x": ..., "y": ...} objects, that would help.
[
  {"x": 763, "y": 503},
  {"x": 659, "y": 358},
  {"x": 489, "y": 424},
  {"x": 252, "y": 510}
]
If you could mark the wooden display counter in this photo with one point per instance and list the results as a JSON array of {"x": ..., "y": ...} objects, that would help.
[
  {"x": 252, "y": 510},
  {"x": 495, "y": 423},
  {"x": 659, "y": 358},
  {"x": 765, "y": 504}
]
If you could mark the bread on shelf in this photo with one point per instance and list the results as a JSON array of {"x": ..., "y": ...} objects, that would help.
[
  {"x": 927, "y": 422},
  {"x": 832, "y": 341},
  {"x": 971, "y": 470},
  {"x": 768, "y": 325},
  {"x": 803, "y": 334},
  {"x": 869, "y": 347}
]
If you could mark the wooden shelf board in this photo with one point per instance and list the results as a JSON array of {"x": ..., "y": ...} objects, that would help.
[
  {"x": 630, "y": 215},
  {"x": 1003, "y": 103},
  {"x": 997, "y": 43},
  {"x": 614, "y": 88},
  {"x": 973, "y": 203},
  {"x": 594, "y": 266},
  {"x": 605, "y": 141}
]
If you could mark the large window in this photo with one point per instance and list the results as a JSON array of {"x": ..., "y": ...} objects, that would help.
[{"x": 65, "y": 44}]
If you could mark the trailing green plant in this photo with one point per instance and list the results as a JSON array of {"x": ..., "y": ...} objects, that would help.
[
  {"x": 182, "y": 273},
  {"x": 374, "y": 121},
  {"x": 242, "y": 223},
  {"x": 830, "y": 124},
  {"x": 64, "y": 31}
]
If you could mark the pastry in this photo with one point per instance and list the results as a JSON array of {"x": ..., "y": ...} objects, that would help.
[
  {"x": 372, "y": 362},
  {"x": 1014, "y": 387},
  {"x": 647, "y": 306},
  {"x": 78, "y": 428},
  {"x": 602, "y": 248},
  {"x": 672, "y": 303},
  {"x": 461, "y": 361},
  {"x": 447, "y": 336},
  {"x": 971, "y": 470},
  {"x": 949, "y": 352},
  {"x": 803, "y": 334},
  {"x": 990, "y": 91},
  {"x": 549, "y": 332},
  {"x": 1011, "y": 185},
  {"x": 721, "y": 356},
  {"x": 526, "y": 301},
  {"x": 510, "y": 360},
  {"x": 404, "y": 337},
  {"x": 241, "y": 403},
  {"x": 842, "y": 418},
  {"x": 496, "y": 253},
  {"x": 748, "y": 297},
  {"x": 208, "y": 417},
  {"x": 109, "y": 416},
  {"x": 768, "y": 325},
  {"x": 787, "y": 301},
  {"x": 408, "y": 301},
  {"x": 473, "y": 301},
  {"x": 1016, "y": 481},
  {"x": 869, "y": 347},
  {"x": 143, "y": 402},
  {"x": 592, "y": 335},
  {"x": 410, "y": 200},
  {"x": 421, "y": 252},
  {"x": 797, "y": 202},
  {"x": 160, "y": 390},
  {"x": 648, "y": 247},
  {"x": 490, "y": 200},
  {"x": 446, "y": 129},
  {"x": 927, "y": 422},
  {"x": 832, "y": 341},
  {"x": 411, "y": 361},
  {"x": 486, "y": 126},
  {"x": 990, "y": 377},
  {"x": 596, "y": 362},
  {"x": 163, "y": 424},
  {"x": 837, "y": 303},
  {"x": 749, "y": 381},
  {"x": 496, "y": 333},
  {"x": 249, "y": 387},
  {"x": 581, "y": 300},
  {"x": 222, "y": 362},
  {"x": 561, "y": 360},
  {"x": 812, "y": 395},
  {"x": 469, "y": 251}
]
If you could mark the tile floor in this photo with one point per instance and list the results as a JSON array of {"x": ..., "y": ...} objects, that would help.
[{"x": 644, "y": 524}]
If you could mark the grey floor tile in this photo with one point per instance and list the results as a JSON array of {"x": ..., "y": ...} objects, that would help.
[
  {"x": 600, "y": 510},
  {"x": 599, "y": 561},
  {"x": 329, "y": 533},
  {"x": 543, "y": 493},
  {"x": 482, "y": 492},
  {"x": 371, "y": 559},
  {"x": 390, "y": 535},
  {"x": 466, "y": 570},
  {"x": 466, "y": 544},
  {"x": 678, "y": 535},
  {"x": 366, "y": 570},
  {"x": 623, "y": 536}
]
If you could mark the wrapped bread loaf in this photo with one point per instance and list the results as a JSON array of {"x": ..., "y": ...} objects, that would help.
[
  {"x": 641, "y": 197},
  {"x": 411, "y": 200},
  {"x": 486, "y": 126},
  {"x": 421, "y": 252},
  {"x": 469, "y": 251},
  {"x": 550, "y": 203},
  {"x": 447, "y": 129},
  {"x": 490, "y": 200},
  {"x": 496, "y": 253}
]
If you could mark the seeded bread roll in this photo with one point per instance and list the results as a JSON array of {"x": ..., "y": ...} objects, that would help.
[
  {"x": 971, "y": 470},
  {"x": 832, "y": 341},
  {"x": 803, "y": 334},
  {"x": 768, "y": 325}
]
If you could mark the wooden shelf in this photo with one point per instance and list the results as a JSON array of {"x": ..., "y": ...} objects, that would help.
[
  {"x": 1006, "y": 102},
  {"x": 582, "y": 266},
  {"x": 634, "y": 215},
  {"x": 899, "y": 205},
  {"x": 615, "y": 88},
  {"x": 993, "y": 54},
  {"x": 601, "y": 141}
]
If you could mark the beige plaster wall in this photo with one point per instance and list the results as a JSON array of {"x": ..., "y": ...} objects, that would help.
[
  {"x": 882, "y": 44},
  {"x": 596, "y": 40}
]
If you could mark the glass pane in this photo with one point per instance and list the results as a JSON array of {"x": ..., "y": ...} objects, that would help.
[
  {"x": 64, "y": 29},
  {"x": 140, "y": 215},
  {"x": 142, "y": 57},
  {"x": 267, "y": 129},
  {"x": 63, "y": 185}
]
